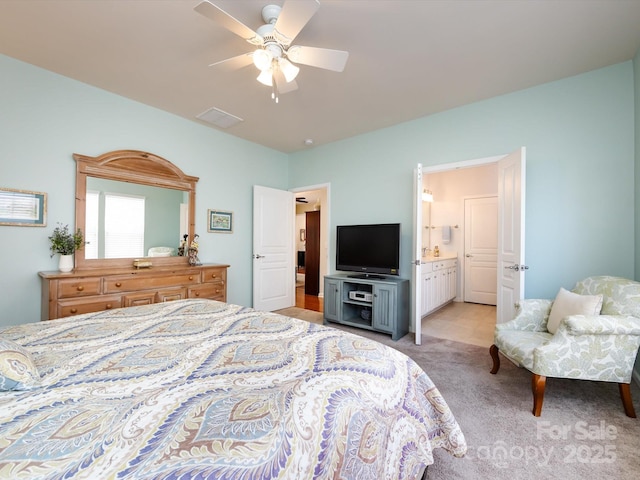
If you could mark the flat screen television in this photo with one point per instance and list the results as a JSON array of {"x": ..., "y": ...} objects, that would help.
[{"x": 368, "y": 249}]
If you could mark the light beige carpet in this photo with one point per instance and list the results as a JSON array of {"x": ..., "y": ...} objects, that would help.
[
  {"x": 302, "y": 314},
  {"x": 582, "y": 434}
]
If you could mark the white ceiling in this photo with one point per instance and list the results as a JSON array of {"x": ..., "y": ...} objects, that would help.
[{"x": 407, "y": 58}]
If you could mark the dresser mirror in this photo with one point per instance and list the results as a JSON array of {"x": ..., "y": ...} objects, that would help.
[{"x": 162, "y": 193}]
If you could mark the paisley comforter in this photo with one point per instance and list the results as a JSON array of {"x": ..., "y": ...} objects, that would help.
[{"x": 203, "y": 389}]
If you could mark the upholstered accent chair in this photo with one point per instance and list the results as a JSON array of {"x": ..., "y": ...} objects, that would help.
[{"x": 595, "y": 344}]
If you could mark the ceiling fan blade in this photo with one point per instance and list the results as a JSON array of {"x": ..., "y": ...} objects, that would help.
[
  {"x": 319, "y": 57},
  {"x": 281, "y": 83},
  {"x": 294, "y": 16},
  {"x": 215, "y": 13},
  {"x": 234, "y": 63}
]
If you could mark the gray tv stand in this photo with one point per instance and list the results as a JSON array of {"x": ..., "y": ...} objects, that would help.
[{"x": 378, "y": 303}]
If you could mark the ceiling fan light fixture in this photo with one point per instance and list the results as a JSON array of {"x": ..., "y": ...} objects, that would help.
[
  {"x": 289, "y": 70},
  {"x": 266, "y": 77},
  {"x": 273, "y": 53},
  {"x": 262, "y": 59}
]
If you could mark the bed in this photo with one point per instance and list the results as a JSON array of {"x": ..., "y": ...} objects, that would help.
[{"x": 205, "y": 389}]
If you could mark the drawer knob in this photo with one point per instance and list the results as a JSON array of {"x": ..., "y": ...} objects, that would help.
[
  {"x": 74, "y": 310},
  {"x": 190, "y": 277},
  {"x": 197, "y": 294},
  {"x": 217, "y": 290},
  {"x": 118, "y": 284},
  {"x": 213, "y": 275},
  {"x": 108, "y": 306},
  {"x": 80, "y": 288}
]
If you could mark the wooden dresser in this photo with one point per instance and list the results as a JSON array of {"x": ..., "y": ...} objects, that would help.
[{"x": 94, "y": 290}]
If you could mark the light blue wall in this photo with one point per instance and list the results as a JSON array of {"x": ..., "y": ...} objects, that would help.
[
  {"x": 579, "y": 133},
  {"x": 45, "y": 118},
  {"x": 579, "y": 136}
]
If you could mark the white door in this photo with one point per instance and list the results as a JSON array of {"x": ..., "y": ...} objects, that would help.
[
  {"x": 480, "y": 250},
  {"x": 273, "y": 249},
  {"x": 511, "y": 192},
  {"x": 416, "y": 275}
]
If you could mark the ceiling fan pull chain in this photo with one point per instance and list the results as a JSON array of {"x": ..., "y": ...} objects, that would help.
[{"x": 274, "y": 93}]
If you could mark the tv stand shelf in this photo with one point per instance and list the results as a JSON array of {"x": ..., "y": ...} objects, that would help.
[{"x": 387, "y": 311}]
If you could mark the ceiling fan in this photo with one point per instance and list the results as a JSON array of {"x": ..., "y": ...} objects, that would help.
[{"x": 274, "y": 56}]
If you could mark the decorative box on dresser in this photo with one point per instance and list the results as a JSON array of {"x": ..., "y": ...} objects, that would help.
[{"x": 94, "y": 290}]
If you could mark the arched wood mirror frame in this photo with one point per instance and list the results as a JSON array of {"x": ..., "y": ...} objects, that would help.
[{"x": 131, "y": 166}]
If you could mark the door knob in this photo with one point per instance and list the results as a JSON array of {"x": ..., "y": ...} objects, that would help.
[
  {"x": 517, "y": 267},
  {"x": 468, "y": 255},
  {"x": 257, "y": 255}
]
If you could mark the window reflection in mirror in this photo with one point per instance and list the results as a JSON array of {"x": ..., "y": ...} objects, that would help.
[{"x": 115, "y": 230}]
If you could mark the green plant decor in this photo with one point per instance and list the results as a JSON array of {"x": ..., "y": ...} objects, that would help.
[{"x": 64, "y": 242}]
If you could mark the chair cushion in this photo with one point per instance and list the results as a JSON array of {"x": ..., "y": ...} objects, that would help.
[
  {"x": 569, "y": 303},
  {"x": 518, "y": 345}
]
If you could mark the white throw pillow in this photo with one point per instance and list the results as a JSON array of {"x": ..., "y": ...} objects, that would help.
[{"x": 569, "y": 303}]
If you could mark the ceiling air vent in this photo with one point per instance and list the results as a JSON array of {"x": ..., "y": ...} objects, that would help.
[{"x": 219, "y": 118}]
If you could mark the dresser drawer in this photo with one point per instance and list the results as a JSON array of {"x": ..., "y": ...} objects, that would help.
[
  {"x": 170, "y": 294},
  {"x": 79, "y": 287},
  {"x": 213, "y": 291},
  {"x": 137, "y": 299},
  {"x": 66, "y": 308},
  {"x": 131, "y": 283},
  {"x": 214, "y": 274},
  {"x": 95, "y": 290}
]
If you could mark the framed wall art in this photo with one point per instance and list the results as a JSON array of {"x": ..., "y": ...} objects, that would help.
[
  {"x": 23, "y": 208},
  {"x": 219, "y": 221}
]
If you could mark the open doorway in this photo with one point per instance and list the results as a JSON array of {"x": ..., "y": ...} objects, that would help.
[
  {"x": 311, "y": 240},
  {"x": 510, "y": 183},
  {"x": 459, "y": 197}
]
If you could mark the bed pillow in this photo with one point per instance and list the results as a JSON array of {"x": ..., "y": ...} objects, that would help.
[
  {"x": 17, "y": 369},
  {"x": 569, "y": 303}
]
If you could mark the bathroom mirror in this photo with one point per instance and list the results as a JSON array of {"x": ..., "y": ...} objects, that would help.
[{"x": 168, "y": 198}]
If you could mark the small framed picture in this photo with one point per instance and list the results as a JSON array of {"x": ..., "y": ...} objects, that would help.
[
  {"x": 23, "y": 208},
  {"x": 219, "y": 221}
]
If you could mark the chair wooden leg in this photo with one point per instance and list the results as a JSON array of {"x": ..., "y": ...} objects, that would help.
[
  {"x": 424, "y": 474},
  {"x": 538, "y": 383},
  {"x": 625, "y": 393},
  {"x": 493, "y": 350}
]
